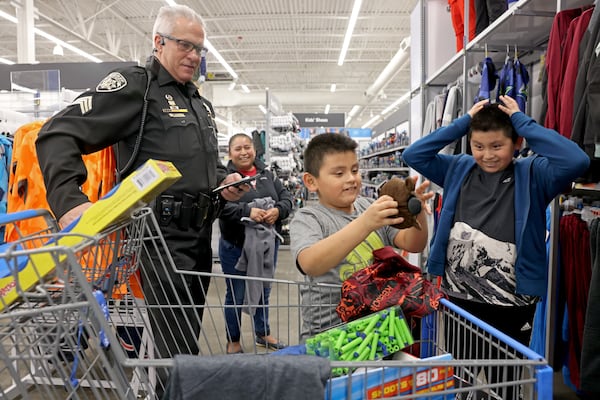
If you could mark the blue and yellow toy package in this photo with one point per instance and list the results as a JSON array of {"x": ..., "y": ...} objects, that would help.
[{"x": 135, "y": 191}]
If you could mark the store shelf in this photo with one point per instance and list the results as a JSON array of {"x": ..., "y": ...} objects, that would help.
[
  {"x": 382, "y": 152},
  {"x": 525, "y": 25},
  {"x": 386, "y": 169}
]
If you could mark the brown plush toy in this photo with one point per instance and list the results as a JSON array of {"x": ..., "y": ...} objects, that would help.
[{"x": 403, "y": 191}]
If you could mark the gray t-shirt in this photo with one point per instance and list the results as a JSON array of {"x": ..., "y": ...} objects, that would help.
[
  {"x": 320, "y": 295},
  {"x": 481, "y": 250}
]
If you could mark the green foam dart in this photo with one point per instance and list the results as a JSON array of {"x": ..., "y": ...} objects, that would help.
[
  {"x": 350, "y": 345},
  {"x": 401, "y": 334},
  {"x": 364, "y": 343},
  {"x": 374, "y": 346},
  {"x": 384, "y": 325},
  {"x": 340, "y": 340},
  {"x": 364, "y": 354},
  {"x": 406, "y": 330},
  {"x": 392, "y": 325},
  {"x": 372, "y": 322}
]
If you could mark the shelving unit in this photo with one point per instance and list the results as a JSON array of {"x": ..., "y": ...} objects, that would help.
[
  {"x": 524, "y": 27},
  {"x": 380, "y": 162}
]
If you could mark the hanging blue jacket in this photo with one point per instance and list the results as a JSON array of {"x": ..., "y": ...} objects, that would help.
[{"x": 538, "y": 179}]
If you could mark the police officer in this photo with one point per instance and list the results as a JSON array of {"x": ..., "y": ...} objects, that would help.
[{"x": 177, "y": 124}]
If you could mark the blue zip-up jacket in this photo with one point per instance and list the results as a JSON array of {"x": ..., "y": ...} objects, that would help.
[{"x": 538, "y": 179}]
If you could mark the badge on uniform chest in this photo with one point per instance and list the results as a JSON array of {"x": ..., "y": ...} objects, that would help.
[{"x": 174, "y": 111}]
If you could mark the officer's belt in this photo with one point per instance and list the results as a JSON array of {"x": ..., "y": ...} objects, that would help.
[{"x": 186, "y": 210}]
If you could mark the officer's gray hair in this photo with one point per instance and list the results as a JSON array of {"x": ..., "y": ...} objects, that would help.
[{"x": 165, "y": 20}]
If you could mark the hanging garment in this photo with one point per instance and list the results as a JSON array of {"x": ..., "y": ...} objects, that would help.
[
  {"x": 575, "y": 259},
  {"x": 521, "y": 82},
  {"x": 487, "y": 11},
  {"x": 506, "y": 76},
  {"x": 488, "y": 80},
  {"x": 571, "y": 64},
  {"x": 586, "y": 120},
  {"x": 553, "y": 72},
  {"x": 590, "y": 351}
]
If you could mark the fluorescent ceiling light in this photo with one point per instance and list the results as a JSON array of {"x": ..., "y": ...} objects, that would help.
[
  {"x": 333, "y": 86},
  {"x": 245, "y": 89},
  {"x": 396, "y": 103},
  {"x": 170, "y": 2},
  {"x": 262, "y": 108},
  {"x": 327, "y": 109},
  {"x": 54, "y": 39},
  {"x": 353, "y": 111},
  {"x": 5, "y": 61},
  {"x": 351, "y": 24},
  {"x": 371, "y": 121},
  {"x": 220, "y": 58},
  {"x": 232, "y": 86}
]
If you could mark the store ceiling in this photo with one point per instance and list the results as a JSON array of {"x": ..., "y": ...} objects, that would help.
[{"x": 290, "y": 47}]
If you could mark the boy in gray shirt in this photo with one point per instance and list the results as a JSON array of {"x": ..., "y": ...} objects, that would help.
[{"x": 336, "y": 237}]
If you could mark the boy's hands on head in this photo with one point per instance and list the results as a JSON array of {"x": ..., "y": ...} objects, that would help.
[
  {"x": 508, "y": 105},
  {"x": 478, "y": 106}
]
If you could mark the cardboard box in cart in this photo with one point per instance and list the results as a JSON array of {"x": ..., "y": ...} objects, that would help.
[
  {"x": 135, "y": 191},
  {"x": 395, "y": 381}
]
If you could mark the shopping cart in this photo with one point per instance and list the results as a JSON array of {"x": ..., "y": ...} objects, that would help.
[
  {"x": 455, "y": 355},
  {"x": 55, "y": 339}
]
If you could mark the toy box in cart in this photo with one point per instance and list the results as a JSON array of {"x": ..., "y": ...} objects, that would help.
[
  {"x": 392, "y": 381},
  {"x": 139, "y": 188},
  {"x": 378, "y": 336}
]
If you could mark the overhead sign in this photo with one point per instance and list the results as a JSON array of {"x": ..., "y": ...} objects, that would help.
[
  {"x": 354, "y": 133},
  {"x": 325, "y": 120}
]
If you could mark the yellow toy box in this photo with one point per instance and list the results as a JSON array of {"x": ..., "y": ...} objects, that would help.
[{"x": 135, "y": 191}]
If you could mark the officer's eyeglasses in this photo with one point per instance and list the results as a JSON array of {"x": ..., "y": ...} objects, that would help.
[{"x": 184, "y": 45}]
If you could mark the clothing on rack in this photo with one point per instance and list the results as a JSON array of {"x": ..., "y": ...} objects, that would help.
[
  {"x": 565, "y": 102},
  {"x": 553, "y": 73},
  {"x": 590, "y": 350},
  {"x": 586, "y": 119},
  {"x": 576, "y": 274},
  {"x": 487, "y": 11}
]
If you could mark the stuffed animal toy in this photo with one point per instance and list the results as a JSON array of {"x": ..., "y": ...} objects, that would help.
[{"x": 409, "y": 206}]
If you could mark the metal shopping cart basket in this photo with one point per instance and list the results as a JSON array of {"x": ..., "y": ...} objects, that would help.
[
  {"x": 455, "y": 355},
  {"x": 55, "y": 339}
]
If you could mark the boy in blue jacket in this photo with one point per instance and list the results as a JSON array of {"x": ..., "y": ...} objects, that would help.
[{"x": 490, "y": 241}]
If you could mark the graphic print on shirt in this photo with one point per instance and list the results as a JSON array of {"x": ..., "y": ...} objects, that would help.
[
  {"x": 361, "y": 256},
  {"x": 481, "y": 268}
]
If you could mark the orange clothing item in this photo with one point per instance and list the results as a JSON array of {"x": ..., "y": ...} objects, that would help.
[
  {"x": 27, "y": 191},
  {"x": 457, "y": 13}
]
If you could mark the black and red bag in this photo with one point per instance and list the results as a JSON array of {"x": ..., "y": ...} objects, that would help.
[{"x": 389, "y": 281}]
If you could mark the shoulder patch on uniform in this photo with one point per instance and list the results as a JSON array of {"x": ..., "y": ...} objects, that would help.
[
  {"x": 112, "y": 83},
  {"x": 85, "y": 104}
]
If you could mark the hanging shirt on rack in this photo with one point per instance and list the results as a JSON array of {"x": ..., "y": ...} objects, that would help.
[
  {"x": 553, "y": 72},
  {"x": 571, "y": 61}
]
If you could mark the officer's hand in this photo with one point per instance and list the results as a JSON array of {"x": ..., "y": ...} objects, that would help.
[
  {"x": 233, "y": 193},
  {"x": 73, "y": 214}
]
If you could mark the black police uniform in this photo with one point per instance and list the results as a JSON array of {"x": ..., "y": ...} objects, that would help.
[{"x": 179, "y": 127}]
